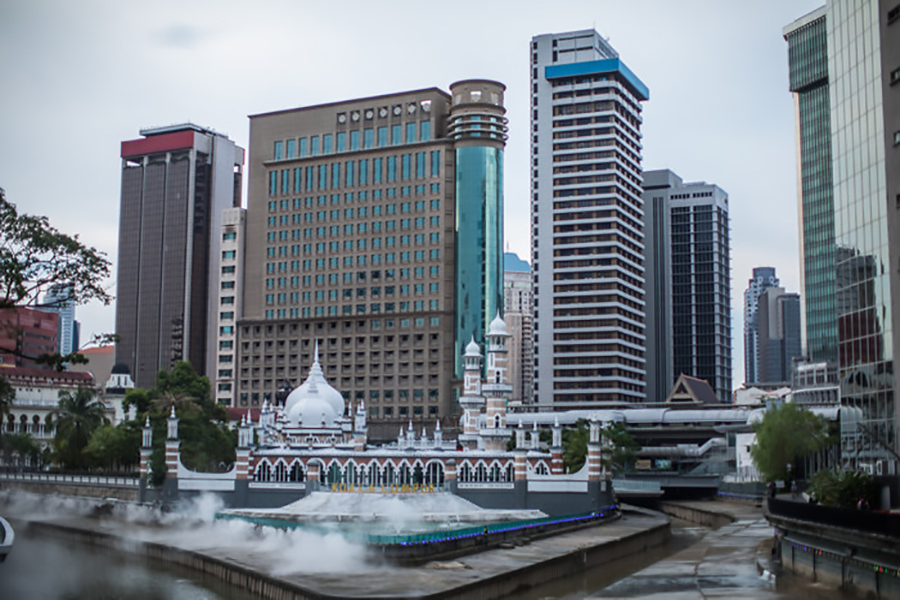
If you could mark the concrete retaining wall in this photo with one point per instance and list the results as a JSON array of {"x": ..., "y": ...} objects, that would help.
[
  {"x": 68, "y": 489},
  {"x": 706, "y": 518},
  {"x": 572, "y": 564}
]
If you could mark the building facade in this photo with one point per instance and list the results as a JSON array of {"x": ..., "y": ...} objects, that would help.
[
  {"x": 862, "y": 61},
  {"x": 354, "y": 239},
  {"x": 587, "y": 241},
  {"x": 762, "y": 279},
  {"x": 778, "y": 334},
  {"x": 688, "y": 284},
  {"x": 230, "y": 302},
  {"x": 518, "y": 312},
  {"x": 808, "y": 65},
  {"x": 59, "y": 300},
  {"x": 25, "y": 335},
  {"x": 176, "y": 181}
]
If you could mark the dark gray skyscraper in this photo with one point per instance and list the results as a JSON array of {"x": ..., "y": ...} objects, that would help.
[
  {"x": 763, "y": 278},
  {"x": 777, "y": 325},
  {"x": 176, "y": 181},
  {"x": 688, "y": 283}
]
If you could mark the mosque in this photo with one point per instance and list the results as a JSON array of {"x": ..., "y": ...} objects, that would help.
[{"x": 313, "y": 444}]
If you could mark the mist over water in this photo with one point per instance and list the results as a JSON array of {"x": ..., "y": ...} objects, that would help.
[{"x": 193, "y": 526}]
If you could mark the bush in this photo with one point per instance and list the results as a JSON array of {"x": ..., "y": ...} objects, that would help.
[{"x": 841, "y": 488}]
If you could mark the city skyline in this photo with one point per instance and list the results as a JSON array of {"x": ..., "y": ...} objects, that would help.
[{"x": 118, "y": 59}]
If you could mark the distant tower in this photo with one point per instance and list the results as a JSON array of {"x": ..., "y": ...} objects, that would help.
[
  {"x": 518, "y": 313},
  {"x": 176, "y": 181},
  {"x": 763, "y": 278},
  {"x": 496, "y": 387},
  {"x": 687, "y": 283},
  {"x": 59, "y": 300}
]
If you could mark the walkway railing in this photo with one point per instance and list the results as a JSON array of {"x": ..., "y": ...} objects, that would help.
[
  {"x": 636, "y": 485},
  {"x": 97, "y": 480},
  {"x": 860, "y": 520}
]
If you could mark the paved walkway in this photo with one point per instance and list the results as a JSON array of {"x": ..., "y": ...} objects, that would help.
[{"x": 722, "y": 564}]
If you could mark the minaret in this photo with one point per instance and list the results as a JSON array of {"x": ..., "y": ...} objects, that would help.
[
  {"x": 496, "y": 386},
  {"x": 146, "y": 448},
  {"x": 172, "y": 444},
  {"x": 471, "y": 401}
]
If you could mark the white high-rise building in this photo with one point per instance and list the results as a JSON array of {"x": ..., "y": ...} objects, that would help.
[
  {"x": 587, "y": 232},
  {"x": 59, "y": 300}
]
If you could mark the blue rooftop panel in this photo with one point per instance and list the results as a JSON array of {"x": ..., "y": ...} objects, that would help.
[{"x": 595, "y": 67}]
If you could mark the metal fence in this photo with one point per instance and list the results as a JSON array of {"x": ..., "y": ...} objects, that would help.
[
  {"x": 860, "y": 520},
  {"x": 97, "y": 480}
]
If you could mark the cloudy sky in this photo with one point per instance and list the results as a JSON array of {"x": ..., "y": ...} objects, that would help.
[{"x": 78, "y": 77}]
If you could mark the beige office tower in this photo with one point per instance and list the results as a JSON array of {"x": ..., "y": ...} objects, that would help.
[
  {"x": 519, "y": 315},
  {"x": 351, "y": 244}
]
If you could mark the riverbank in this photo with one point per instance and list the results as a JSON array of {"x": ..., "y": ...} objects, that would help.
[{"x": 288, "y": 565}]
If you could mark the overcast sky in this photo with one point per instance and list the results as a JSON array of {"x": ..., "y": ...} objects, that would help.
[{"x": 77, "y": 78}]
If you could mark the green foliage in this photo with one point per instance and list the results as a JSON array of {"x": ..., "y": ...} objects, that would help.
[
  {"x": 207, "y": 443},
  {"x": 841, "y": 488},
  {"x": 575, "y": 446},
  {"x": 785, "y": 434},
  {"x": 115, "y": 448},
  {"x": 137, "y": 397},
  {"x": 34, "y": 256},
  {"x": 77, "y": 416},
  {"x": 7, "y": 395},
  {"x": 624, "y": 449},
  {"x": 620, "y": 449},
  {"x": 22, "y": 446}
]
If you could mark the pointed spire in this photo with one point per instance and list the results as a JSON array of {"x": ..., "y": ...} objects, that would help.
[
  {"x": 316, "y": 359},
  {"x": 172, "y": 414},
  {"x": 147, "y": 422},
  {"x": 410, "y": 425},
  {"x": 520, "y": 424},
  {"x": 535, "y": 426},
  {"x": 437, "y": 425}
]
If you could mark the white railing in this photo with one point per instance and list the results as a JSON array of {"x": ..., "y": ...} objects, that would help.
[{"x": 98, "y": 480}]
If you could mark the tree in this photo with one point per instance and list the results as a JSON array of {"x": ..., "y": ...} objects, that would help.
[
  {"x": 621, "y": 449},
  {"x": 22, "y": 446},
  {"x": 115, "y": 448},
  {"x": 841, "y": 488},
  {"x": 207, "y": 443},
  {"x": 77, "y": 416},
  {"x": 784, "y": 434},
  {"x": 34, "y": 256}
]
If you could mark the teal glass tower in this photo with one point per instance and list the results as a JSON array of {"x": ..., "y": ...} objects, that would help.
[
  {"x": 478, "y": 127},
  {"x": 808, "y": 64}
]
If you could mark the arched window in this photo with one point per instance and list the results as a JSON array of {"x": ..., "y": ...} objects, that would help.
[
  {"x": 434, "y": 474},
  {"x": 373, "y": 475},
  {"x": 465, "y": 474},
  {"x": 280, "y": 472},
  {"x": 481, "y": 473},
  {"x": 350, "y": 475},
  {"x": 263, "y": 472},
  {"x": 495, "y": 473},
  {"x": 297, "y": 474},
  {"x": 405, "y": 475},
  {"x": 334, "y": 473},
  {"x": 418, "y": 474}
]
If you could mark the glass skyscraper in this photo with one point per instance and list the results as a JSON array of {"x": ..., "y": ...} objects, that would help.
[
  {"x": 862, "y": 58},
  {"x": 808, "y": 64}
]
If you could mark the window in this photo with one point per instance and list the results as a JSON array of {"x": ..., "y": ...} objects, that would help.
[
  {"x": 368, "y": 138},
  {"x": 407, "y": 162},
  {"x": 435, "y": 163},
  {"x": 291, "y": 148},
  {"x": 410, "y": 133},
  {"x": 363, "y": 173},
  {"x": 377, "y": 172},
  {"x": 342, "y": 141},
  {"x": 279, "y": 148},
  {"x": 228, "y": 254},
  {"x": 273, "y": 183},
  {"x": 391, "y": 168},
  {"x": 396, "y": 132},
  {"x": 314, "y": 145},
  {"x": 229, "y": 235},
  {"x": 327, "y": 144},
  {"x": 425, "y": 131},
  {"x": 420, "y": 165},
  {"x": 382, "y": 137},
  {"x": 304, "y": 147}
]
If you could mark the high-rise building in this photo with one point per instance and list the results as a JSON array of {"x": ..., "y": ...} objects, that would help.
[
  {"x": 230, "y": 302},
  {"x": 587, "y": 242},
  {"x": 374, "y": 233},
  {"x": 176, "y": 181},
  {"x": 688, "y": 284},
  {"x": 59, "y": 300},
  {"x": 862, "y": 56},
  {"x": 778, "y": 335},
  {"x": 25, "y": 335},
  {"x": 763, "y": 278},
  {"x": 518, "y": 312},
  {"x": 808, "y": 64}
]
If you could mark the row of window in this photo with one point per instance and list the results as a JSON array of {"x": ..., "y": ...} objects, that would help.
[
  {"x": 335, "y": 199},
  {"x": 343, "y": 141},
  {"x": 352, "y": 172}
]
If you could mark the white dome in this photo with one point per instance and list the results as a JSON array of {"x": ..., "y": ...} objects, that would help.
[
  {"x": 498, "y": 326},
  {"x": 313, "y": 398},
  {"x": 472, "y": 349}
]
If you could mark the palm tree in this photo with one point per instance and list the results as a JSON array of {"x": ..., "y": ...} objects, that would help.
[{"x": 77, "y": 416}]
